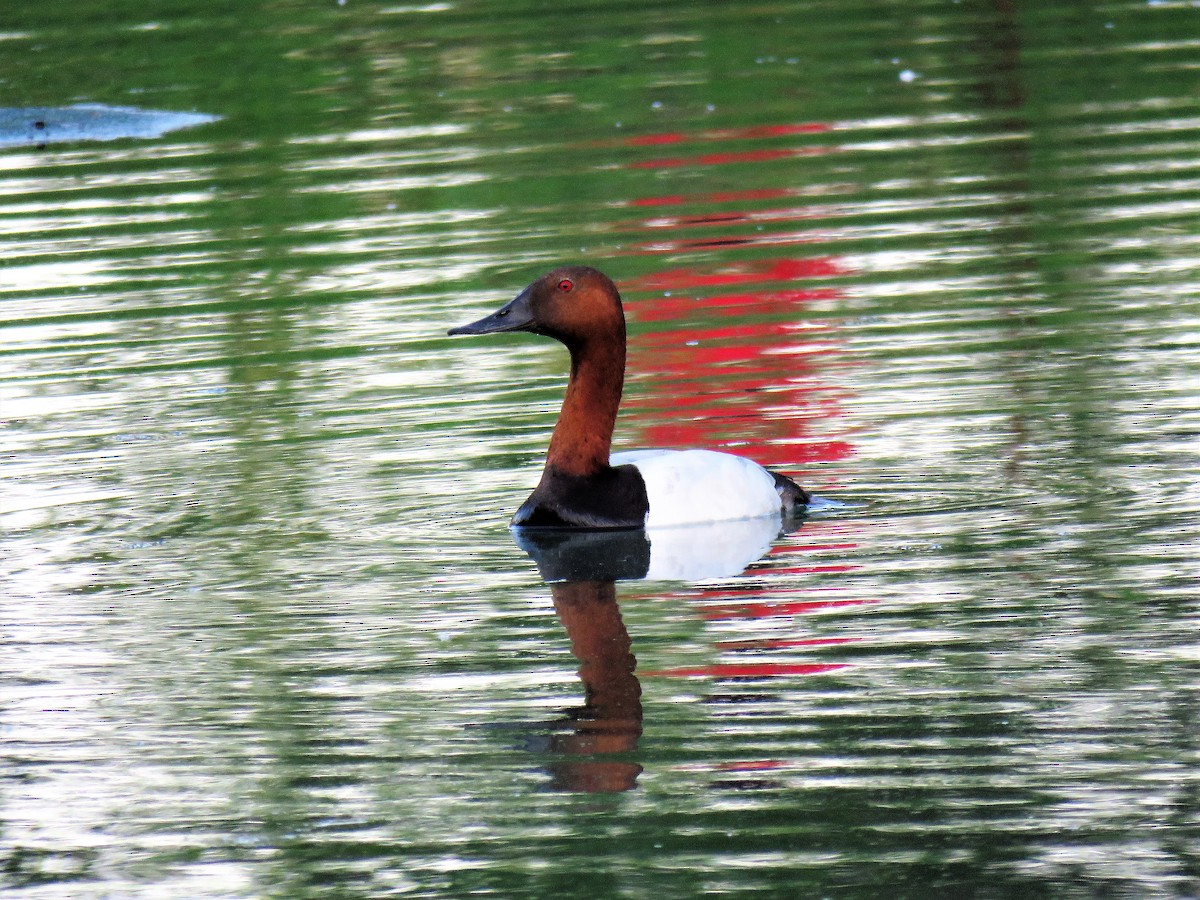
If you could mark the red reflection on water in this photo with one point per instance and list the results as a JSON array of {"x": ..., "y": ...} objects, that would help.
[
  {"x": 799, "y": 621},
  {"x": 739, "y": 216},
  {"x": 750, "y": 765},
  {"x": 719, "y": 197},
  {"x": 782, "y": 643},
  {"x": 728, "y": 134},
  {"x": 753, "y": 381},
  {"x": 767, "y": 373},
  {"x": 721, "y": 159},
  {"x": 731, "y": 355},
  {"x": 674, "y": 233},
  {"x": 762, "y": 610},
  {"x": 747, "y": 670},
  {"x": 785, "y": 269}
]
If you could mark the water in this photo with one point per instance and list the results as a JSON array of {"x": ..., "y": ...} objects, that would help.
[{"x": 266, "y": 633}]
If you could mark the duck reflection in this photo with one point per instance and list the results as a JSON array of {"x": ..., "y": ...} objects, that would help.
[
  {"x": 610, "y": 721},
  {"x": 582, "y": 567},
  {"x": 684, "y": 553}
]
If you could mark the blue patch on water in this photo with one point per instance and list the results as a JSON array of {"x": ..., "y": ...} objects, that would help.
[
  {"x": 143, "y": 545},
  {"x": 40, "y": 125},
  {"x": 825, "y": 505}
]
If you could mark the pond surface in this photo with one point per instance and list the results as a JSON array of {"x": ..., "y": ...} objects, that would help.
[{"x": 265, "y": 630}]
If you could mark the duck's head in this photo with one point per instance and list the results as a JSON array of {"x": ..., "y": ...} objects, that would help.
[{"x": 571, "y": 304}]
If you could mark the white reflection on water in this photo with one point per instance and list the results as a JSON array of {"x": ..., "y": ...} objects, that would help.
[
  {"x": 395, "y": 133},
  {"x": 57, "y": 275},
  {"x": 387, "y": 275},
  {"x": 397, "y": 183}
]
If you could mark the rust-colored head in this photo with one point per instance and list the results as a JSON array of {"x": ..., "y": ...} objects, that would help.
[
  {"x": 580, "y": 307},
  {"x": 572, "y": 304}
]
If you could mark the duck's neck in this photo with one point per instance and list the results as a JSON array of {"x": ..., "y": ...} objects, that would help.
[{"x": 583, "y": 436}]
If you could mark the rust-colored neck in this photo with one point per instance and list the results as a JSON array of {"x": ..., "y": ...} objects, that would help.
[{"x": 583, "y": 436}]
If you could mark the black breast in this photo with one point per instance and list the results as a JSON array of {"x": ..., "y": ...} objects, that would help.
[{"x": 611, "y": 498}]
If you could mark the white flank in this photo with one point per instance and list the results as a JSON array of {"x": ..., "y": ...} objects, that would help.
[{"x": 686, "y": 487}]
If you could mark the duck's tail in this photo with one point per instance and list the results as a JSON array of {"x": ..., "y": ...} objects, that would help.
[{"x": 792, "y": 497}]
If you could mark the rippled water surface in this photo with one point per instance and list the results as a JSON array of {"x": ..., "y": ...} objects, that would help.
[{"x": 265, "y": 630}]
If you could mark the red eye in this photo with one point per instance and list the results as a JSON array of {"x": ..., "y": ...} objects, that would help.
[{"x": 565, "y": 285}]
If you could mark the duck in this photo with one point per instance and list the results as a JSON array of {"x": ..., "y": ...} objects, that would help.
[{"x": 584, "y": 485}]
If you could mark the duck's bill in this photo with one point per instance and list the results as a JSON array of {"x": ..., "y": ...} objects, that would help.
[{"x": 515, "y": 315}]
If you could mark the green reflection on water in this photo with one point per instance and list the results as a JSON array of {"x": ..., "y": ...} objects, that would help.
[{"x": 269, "y": 635}]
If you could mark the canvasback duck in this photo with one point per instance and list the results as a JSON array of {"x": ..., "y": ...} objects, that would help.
[{"x": 582, "y": 485}]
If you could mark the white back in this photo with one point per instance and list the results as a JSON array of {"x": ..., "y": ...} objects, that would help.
[{"x": 686, "y": 487}]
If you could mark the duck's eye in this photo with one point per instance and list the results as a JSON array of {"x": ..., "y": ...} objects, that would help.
[{"x": 566, "y": 285}]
